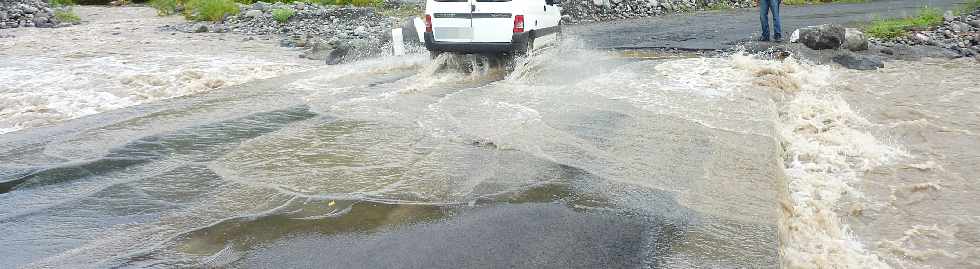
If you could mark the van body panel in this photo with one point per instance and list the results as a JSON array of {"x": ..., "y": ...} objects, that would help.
[
  {"x": 482, "y": 26},
  {"x": 451, "y": 20},
  {"x": 493, "y": 20}
]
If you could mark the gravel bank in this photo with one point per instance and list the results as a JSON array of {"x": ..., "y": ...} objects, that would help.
[
  {"x": 959, "y": 34},
  {"x": 333, "y": 33},
  {"x": 26, "y": 13}
]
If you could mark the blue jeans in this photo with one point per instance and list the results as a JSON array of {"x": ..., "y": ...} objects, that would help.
[{"x": 765, "y": 6}]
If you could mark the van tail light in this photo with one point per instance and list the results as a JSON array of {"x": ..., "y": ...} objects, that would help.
[
  {"x": 428, "y": 23},
  {"x": 519, "y": 24}
]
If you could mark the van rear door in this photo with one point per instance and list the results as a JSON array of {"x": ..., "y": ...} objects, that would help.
[
  {"x": 493, "y": 20},
  {"x": 451, "y": 20}
]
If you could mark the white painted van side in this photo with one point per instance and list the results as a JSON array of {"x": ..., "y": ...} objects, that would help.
[
  {"x": 448, "y": 21},
  {"x": 493, "y": 21}
]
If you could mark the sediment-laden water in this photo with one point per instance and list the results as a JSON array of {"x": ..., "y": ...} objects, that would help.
[
  {"x": 119, "y": 58},
  {"x": 577, "y": 159}
]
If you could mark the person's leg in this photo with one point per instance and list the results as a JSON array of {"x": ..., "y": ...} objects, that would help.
[
  {"x": 777, "y": 23},
  {"x": 764, "y": 17}
]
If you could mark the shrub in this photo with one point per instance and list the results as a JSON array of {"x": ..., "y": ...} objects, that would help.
[
  {"x": 283, "y": 14},
  {"x": 164, "y": 7},
  {"x": 66, "y": 15},
  {"x": 210, "y": 10},
  {"x": 893, "y": 28}
]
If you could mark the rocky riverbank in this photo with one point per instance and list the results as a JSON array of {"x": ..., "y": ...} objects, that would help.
[
  {"x": 26, "y": 13},
  {"x": 332, "y": 33},
  {"x": 958, "y": 34}
]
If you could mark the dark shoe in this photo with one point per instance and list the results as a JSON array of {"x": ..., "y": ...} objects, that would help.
[
  {"x": 764, "y": 39},
  {"x": 778, "y": 40}
]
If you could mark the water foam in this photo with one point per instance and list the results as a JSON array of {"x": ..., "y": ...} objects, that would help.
[
  {"x": 827, "y": 146},
  {"x": 89, "y": 86}
]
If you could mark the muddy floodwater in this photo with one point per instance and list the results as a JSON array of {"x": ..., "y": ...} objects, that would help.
[{"x": 577, "y": 159}]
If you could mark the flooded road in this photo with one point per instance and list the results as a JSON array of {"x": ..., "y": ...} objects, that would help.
[
  {"x": 389, "y": 162},
  {"x": 578, "y": 159}
]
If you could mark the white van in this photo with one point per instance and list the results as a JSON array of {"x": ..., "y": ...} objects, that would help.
[{"x": 489, "y": 26}]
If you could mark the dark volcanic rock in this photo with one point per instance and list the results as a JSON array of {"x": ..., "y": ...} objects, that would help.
[
  {"x": 858, "y": 62},
  {"x": 337, "y": 55},
  {"x": 827, "y": 36},
  {"x": 319, "y": 50}
]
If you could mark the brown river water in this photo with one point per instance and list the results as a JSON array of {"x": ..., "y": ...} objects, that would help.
[{"x": 577, "y": 159}]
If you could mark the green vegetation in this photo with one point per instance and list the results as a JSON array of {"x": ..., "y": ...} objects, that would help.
[
  {"x": 66, "y": 15},
  {"x": 894, "y": 28},
  {"x": 63, "y": 11},
  {"x": 201, "y": 10},
  {"x": 282, "y": 14},
  {"x": 717, "y": 6},
  {"x": 209, "y": 10},
  {"x": 968, "y": 7},
  {"x": 164, "y": 7}
]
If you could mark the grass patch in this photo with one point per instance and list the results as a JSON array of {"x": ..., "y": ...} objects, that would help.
[
  {"x": 359, "y": 3},
  {"x": 968, "y": 7},
  {"x": 717, "y": 6},
  {"x": 283, "y": 14},
  {"x": 164, "y": 7},
  {"x": 209, "y": 10},
  {"x": 894, "y": 28},
  {"x": 66, "y": 15}
]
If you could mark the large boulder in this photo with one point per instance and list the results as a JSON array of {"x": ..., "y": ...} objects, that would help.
[
  {"x": 855, "y": 40},
  {"x": 318, "y": 50},
  {"x": 821, "y": 37},
  {"x": 858, "y": 62}
]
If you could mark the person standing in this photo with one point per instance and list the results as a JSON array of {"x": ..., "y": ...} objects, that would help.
[{"x": 765, "y": 6}]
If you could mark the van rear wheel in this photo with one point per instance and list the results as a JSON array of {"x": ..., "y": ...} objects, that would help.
[{"x": 526, "y": 49}]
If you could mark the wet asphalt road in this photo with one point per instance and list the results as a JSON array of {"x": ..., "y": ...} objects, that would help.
[{"x": 718, "y": 30}]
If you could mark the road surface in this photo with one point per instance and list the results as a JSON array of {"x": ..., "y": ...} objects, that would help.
[{"x": 718, "y": 30}]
